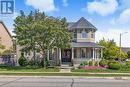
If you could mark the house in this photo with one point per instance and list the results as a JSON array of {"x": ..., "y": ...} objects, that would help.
[
  {"x": 83, "y": 46},
  {"x": 5, "y": 40},
  {"x": 125, "y": 49}
]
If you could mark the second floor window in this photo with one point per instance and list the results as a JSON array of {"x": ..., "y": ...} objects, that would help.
[
  {"x": 75, "y": 35},
  {"x": 84, "y": 34},
  {"x": 92, "y": 35}
]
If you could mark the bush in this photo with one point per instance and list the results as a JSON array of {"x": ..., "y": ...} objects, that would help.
[
  {"x": 90, "y": 63},
  {"x": 83, "y": 64},
  {"x": 114, "y": 65},
  {"x": 125, "y": 67},
  {"x": 128, "y": 63},
  {"x": 23, "y": 61},
  {"x": 96, "y": 63},
  {"x": 103, "y": 63},
  {"x": 31, "y": 62}
]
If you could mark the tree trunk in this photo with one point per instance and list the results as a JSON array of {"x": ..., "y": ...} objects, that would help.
[{"x": 48, "y": 54}]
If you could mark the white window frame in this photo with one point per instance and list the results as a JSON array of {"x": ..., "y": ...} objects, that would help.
[{"x": 84, "y": 33}]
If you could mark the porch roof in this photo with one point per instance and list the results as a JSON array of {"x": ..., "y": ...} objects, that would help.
[{"x": 85, "y": 44}]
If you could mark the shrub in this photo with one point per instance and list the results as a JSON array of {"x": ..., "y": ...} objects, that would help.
[
  {"x": 90, "y": 63},
  {"x": 23, "y": 61},
  {"x": 31, "y": 62},
  {"x": 125, "y": 67},
  {"x": 83, "y": 64},
  {"x": 114, "y": 65},
  {"x": 96, "y": 63},
  {"x": 103, "y": 63},
  {"x": 128, "y": 63},
  {"x": 111, "y": 61}
]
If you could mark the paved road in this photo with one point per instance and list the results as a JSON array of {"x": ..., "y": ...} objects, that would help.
[{"x": 61, "y": 82}]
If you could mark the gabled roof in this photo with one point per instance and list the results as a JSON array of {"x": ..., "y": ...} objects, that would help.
[
  {"x": 5, "y": 28},
  {"x": 82, "y": 23}
]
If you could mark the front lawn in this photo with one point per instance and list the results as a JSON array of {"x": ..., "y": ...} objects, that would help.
[
  {"x": 101, "y": 71},
  {"x": 26, "y": 69},
  {"x": 61, "y": 74}
]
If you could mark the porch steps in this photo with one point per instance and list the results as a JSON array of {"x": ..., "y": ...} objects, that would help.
[{"x": 65, "y": 68}]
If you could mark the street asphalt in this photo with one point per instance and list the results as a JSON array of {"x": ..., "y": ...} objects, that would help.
[{"x": 62, "y": 82}]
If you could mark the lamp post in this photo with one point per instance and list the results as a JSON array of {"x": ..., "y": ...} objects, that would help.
[{"x": 120, "y": 42}]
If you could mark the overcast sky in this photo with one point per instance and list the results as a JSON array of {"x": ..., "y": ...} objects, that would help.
[{"x": 111, "y": 17}]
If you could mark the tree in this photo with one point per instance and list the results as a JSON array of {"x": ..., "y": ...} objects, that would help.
[
  {"x": 38, "y": 32},
  {"x": 24, "y": 32},
  {"x": 128, "y": 53},
  {"x": 1, "y": 46},
  {"x": 111, "y": 50}
]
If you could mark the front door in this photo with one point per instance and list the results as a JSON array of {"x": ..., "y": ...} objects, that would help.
[{"x": 66, "y": 56}]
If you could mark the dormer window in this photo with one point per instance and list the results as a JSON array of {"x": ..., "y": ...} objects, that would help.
[{"x": 84, "y": 34}]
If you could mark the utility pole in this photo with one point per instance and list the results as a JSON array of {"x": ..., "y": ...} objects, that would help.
[{"x": 120, "y": 43}]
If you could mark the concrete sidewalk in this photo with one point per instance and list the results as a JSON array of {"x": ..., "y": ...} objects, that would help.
[
  {"x": 69, "y": 77},
  {"x": 68, "y": 72}
]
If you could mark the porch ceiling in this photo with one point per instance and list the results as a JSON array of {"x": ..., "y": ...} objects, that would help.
[{"x": 85, "y": 44}]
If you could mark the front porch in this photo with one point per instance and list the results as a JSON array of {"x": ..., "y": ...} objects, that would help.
[{"x": 77, "y": 55}]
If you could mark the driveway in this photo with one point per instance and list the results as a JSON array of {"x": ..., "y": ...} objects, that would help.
[{"x": 61, "y": 82}]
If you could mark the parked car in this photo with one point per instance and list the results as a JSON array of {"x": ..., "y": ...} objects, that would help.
[{"x": 128, "y": 59}]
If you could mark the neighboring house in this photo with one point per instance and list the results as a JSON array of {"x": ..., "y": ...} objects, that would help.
[
  {"x": 125, "y": 49},
  {"x": 83, "y": 46},
  {"x": 5, "y": 40}
]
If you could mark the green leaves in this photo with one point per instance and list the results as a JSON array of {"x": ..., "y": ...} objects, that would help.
[
  {"x": 111, "y": 50},
  {"x": 37, "y": 31},
  {"x": 1, "y": 46}
]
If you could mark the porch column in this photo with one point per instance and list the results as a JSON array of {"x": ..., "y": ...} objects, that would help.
[
  {"x": 72, "y": 53},
  {"x": 48, "y": 55},
  {"x": 60, "y": 55},
  {"x": 97, "y": 54},
  {"x": 101, "y": 53},
  {"x": 93, "y": 53}
]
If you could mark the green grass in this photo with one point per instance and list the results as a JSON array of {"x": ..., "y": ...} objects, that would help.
[
  {"x": 101, "y": 71},
  {"x": 26, "y": 69},
  {"x": 63, "y": 74}
]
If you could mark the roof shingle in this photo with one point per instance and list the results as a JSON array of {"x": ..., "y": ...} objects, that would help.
[{"x": 82, "y": 23}]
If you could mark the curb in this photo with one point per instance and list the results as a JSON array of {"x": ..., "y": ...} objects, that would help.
[{"x": 69, "y": 77}]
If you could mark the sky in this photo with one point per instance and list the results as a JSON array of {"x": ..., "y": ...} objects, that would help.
[{"x": 111, "y": 17}]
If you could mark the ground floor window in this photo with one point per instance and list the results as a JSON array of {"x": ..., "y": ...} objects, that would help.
[
  {"x": 75, "y": 53},
  {"x": 83, "y": 52}
]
